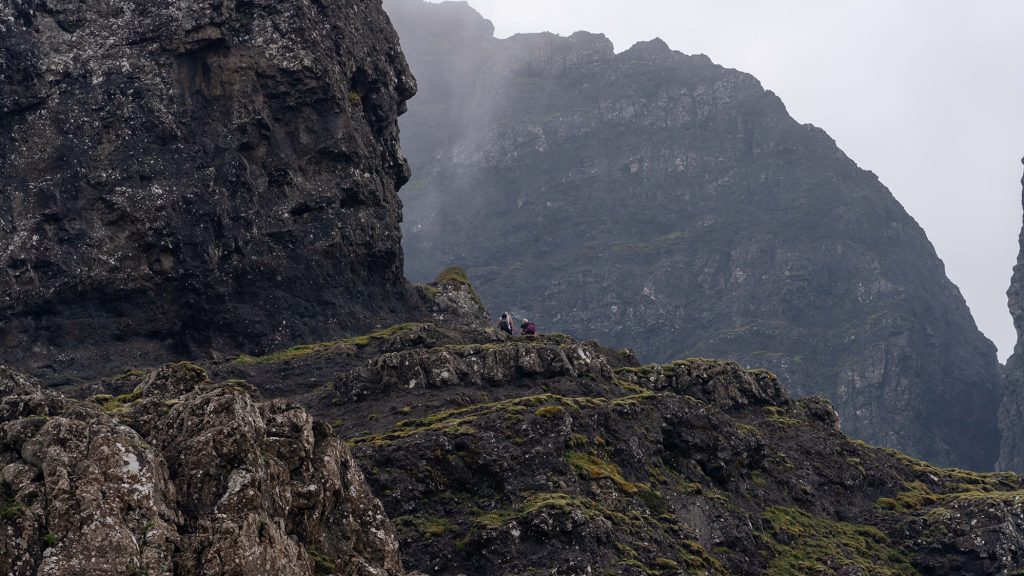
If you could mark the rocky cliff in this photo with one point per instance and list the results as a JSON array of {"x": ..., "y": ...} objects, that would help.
[
  {"x": 180, "y": 476},
  {"x": 655, "y": 200},
  {"x": 1011, "y": 413},
  {"x": 495, "y": 455},
  {"x": 189, "y": 177},
  {"x": 492, "y": 455},
  {"x": 164, "y": 134}
]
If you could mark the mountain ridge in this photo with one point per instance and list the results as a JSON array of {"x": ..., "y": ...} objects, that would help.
[{"x": 660, "y": 201}]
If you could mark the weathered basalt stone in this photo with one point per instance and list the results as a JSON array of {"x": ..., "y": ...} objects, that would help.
[
  {"x": 655, "y": 200},
  {"x": 186, "y": 178}
]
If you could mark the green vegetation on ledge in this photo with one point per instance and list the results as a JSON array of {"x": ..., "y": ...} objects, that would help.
[
  {"x": 117, "y": 404},
  {"x": 803, "y": 544},
  {"x": 595, "y": 468},
  {"x": 452, "y": 274},
  {"x": 308, "y": 349},
  {"x": 457, "y": 420}
]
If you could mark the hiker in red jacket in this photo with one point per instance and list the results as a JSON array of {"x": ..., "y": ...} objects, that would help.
[{"x": 527, "y": 328}]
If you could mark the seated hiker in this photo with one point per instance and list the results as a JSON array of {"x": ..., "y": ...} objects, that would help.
[
  {"x": 505, "y": 324},
  {"x": 527, "y": 327}
]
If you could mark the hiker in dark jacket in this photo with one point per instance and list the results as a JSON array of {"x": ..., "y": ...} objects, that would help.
[
  {"x": 505, "y": 324},
  {"x": 527, "y": 328}
]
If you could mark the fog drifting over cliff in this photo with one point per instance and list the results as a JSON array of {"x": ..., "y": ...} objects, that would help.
[{"x": 925, "y": 94}]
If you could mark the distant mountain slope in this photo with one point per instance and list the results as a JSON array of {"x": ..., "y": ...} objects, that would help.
[
  {"x": 656, "y": 200},
  {"x": 1011, "y": 414}
]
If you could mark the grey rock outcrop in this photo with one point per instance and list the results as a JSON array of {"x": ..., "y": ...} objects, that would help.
[
  {"x": 452, "y": 300},
  {"x": 182, "y": 476},
  {"x": 193, "y": 177},
  {"x": 543, "y": 455},
  {"x": 654, "y": 200},
  {"x": 1011, "y": 413}
]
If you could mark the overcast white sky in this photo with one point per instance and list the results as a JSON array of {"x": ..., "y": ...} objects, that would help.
[{"x": 928, "y": 94}]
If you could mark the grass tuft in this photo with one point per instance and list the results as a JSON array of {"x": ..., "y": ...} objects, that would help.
[{"x": 320, "y": 347}]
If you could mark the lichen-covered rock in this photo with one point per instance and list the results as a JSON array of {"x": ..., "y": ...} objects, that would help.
[
  {"x": 182, "y": 476},
  {"x": 188, "y": 177},
  {"x": 652, "y": 199},
  {"x": 452, "y": 300},
  {"x": 479, "y": 366}
]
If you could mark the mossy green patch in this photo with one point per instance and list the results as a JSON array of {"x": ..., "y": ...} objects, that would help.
[
  {"x": 452, "y": 274},
  {"x": 117, "y": 404},
  {"x": 577, "y": 441},
  {"x": 935, "y": 487},
  {"x": 957, "y": 480},
  {"x": 639, "y": 371},
  {"x": 553, "y": 501},
  {"x": 455, "y": 274},
  {"x": 918, "y": 496},
  {"x": 132, "y": 375},
  {"x": 778, "y": 416},
  {"x": 748, "y": 429},
  {"x": 431, "y": 527},
  {"x": 666, "y": 564},
  {"x": 323, "y": 565},
  {"x": 11, "y": 511},
  {"x": 457, "y": 420},
  {"x": 697, "y": 559},
  {"x": 633, "y": 399},
  {"x": 654, "y": 501},
  {"x": 803, "y": 544},
  {"x": 550, "y": 411},
  {"x": 629, "y": 387},
  {"x": 557, "y": 338},
  {"x": 321, "y": 347},
  {"x": 593, "y": 467}
]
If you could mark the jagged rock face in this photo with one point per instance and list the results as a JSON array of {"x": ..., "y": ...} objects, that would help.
[
  {"x": 191, "y": 176},
  {"x": 451, "y": 300},
  {"x": 658, "y": 201},
  {"x": 180, "y": 477},
  {"x": 1011, "y": 413},
  {"x": 496, "y": 455}
]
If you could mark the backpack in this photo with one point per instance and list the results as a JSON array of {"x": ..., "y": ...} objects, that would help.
[
  {"x": 505, "y": 325},
  {"x": 530, "y": 328}
]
